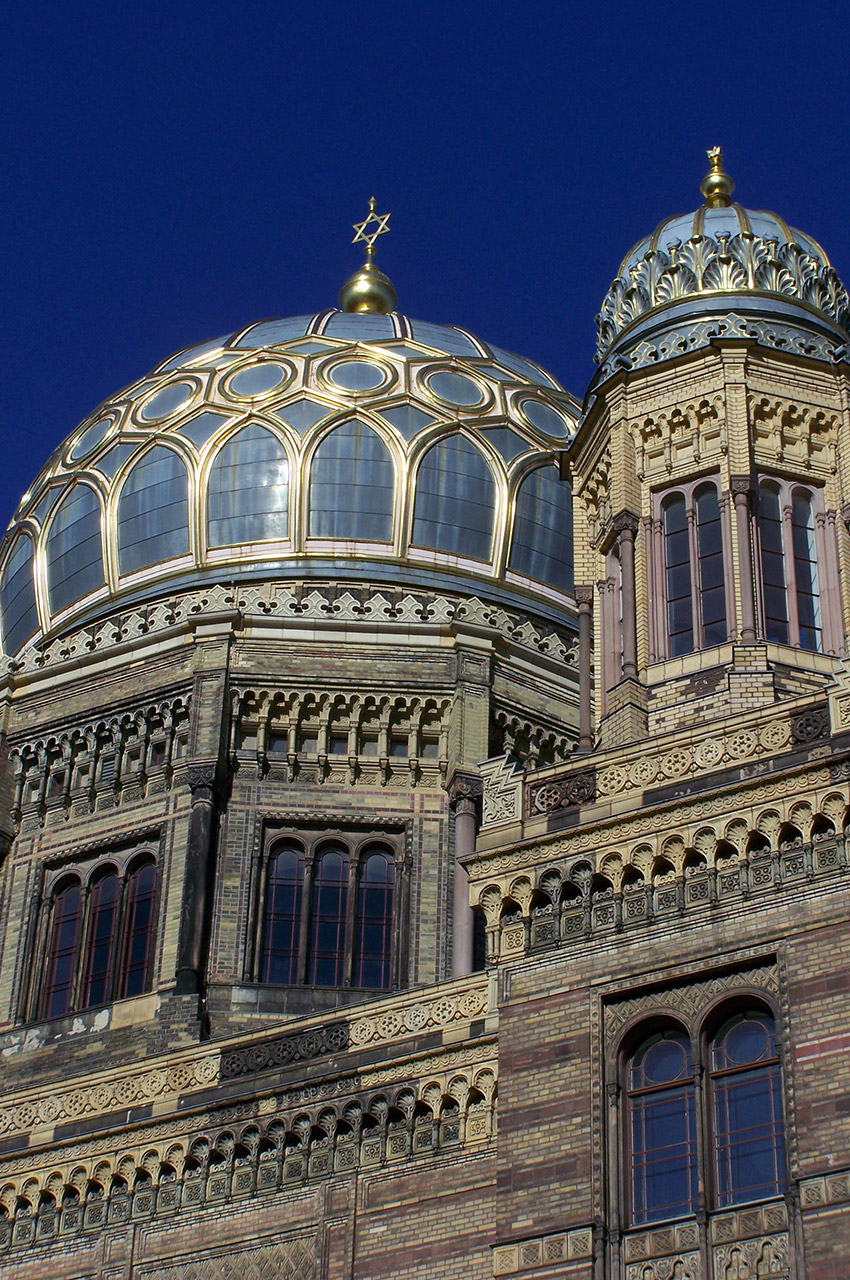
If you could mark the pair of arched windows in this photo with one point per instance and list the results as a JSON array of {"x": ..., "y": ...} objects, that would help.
[
  {"x": 97, "y": 939},
  {"x": 328, "y": 917},
  {"x": 709, "y": 1114}
]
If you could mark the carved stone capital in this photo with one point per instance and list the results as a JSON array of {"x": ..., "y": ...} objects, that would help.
[
  {"x": 202, "y": 779},
  {"x": 625, "y": 522},
  {"x": 742, "y": 487},
  {"x": 464, "y": 789},
  {"x": 584, "y": 595}
]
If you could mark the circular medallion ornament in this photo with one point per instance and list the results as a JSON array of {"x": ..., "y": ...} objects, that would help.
[
  {"x": 455, "y": 388},
  {"x": 167, "y": 401},
  {"x": 357, "y": 375},
  {"x": 258, "y": 380}
]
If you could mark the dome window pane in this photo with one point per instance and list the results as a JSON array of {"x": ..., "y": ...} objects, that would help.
[
  {"x": 270, "y": 332},
  {"x": 17, "y": 596},
  {"x": 199, "y": 429},
  {"x": 352, "y": 486},
  {"x": 455, "y": 388},
  {"x": 442, "y": 338},
  {"x": 359, "y": 328},
  {"x": 90, "y": 439},
  {"x": 527, "y": 371},
  {"x": 455, "y": 500},
  {"x": 302, "y": 414},
  {"x": 543, "y": 542},
  {"x": 408, "y": 420},
  {"x": 545, "y": 418},
  {"x": 74, "y": 549},
  {"x": 167, "y": 401},
  {"x": 153, "y": 511},
  {"x": 249, "y": 490},
  {"x": 509, "y": 443},
  {"x": 357, "y": 375},
  {"x": 258, "y": 380}
]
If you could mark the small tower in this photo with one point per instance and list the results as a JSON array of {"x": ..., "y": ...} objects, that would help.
[{"x": 708, "y": 476}]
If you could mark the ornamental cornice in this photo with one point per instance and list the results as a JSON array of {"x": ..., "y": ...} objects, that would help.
[{"x": 702, "y": 266}]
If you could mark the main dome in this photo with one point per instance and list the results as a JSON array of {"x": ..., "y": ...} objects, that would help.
[
  {"x": 721, "y": 270},
  {"x": 338, "y": 445}
]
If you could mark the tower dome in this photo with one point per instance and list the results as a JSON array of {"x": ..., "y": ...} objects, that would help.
[
  {"x": 342, "y": 445},
  {"x": 721, "y": 270}
]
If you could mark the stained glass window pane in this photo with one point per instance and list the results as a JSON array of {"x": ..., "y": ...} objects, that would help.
[
  {"x": 74, "y": 550},
  {"x": 62, "y": 952},
  {"x": 17, "y": 596},
  {"x": 138, "y": 925},
  {"x": 677, "y": 555},
  {"x": 281, "y": 928},
  {"x": 153, "y": 511},
  {"x": 249, "y": 489},
  {"x": 711, "y": 574},
  {"x": 455, "y": 500},
  {"x": 542, "y": 546},
  {"x": 329, "y": 906},
  {"x": 352, "y": 486},
  {"x": 373, "y": 941}
]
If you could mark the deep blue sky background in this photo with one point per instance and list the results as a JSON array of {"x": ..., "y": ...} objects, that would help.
[{"x": 172, "y": 172}]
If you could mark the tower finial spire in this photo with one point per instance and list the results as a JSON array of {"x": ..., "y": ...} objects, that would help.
[
  {"x": 369, "y": 289},
  {"x": 717, "y": 186}
]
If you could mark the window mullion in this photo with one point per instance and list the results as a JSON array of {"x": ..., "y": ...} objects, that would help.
[{"x": 306, "y": 907}]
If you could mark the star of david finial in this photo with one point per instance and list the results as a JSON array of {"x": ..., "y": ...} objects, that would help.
[{"x": 370, "y": 228}]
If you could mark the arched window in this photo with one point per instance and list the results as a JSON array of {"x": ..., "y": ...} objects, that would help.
[
  {"x": 455, "y": 502},
  {"x": 328, "y": 913},
  {"x": 748, "y": 1130},
  {"x": 98, "y": 942},
  {"x": 100, "y": 947},
  {"x": 140, "y": 893},
  {"x": 17, "y": 596},
  {"x": 249, "y": 489},
  {"x": 694, "y": 578},
  {"x": 284, "y": 887},
  {"x": 74, "y": 551},
  {"x": 790, "y": 592},
  {"x": 373, "y": 942},
  {"x": 62, "y": 951},
  {"x": 542, "y": 546},
  {"x": 352, "y": 486},
  {"x": 153, "y": 511},
  {"x": 662, "y": 1133}
]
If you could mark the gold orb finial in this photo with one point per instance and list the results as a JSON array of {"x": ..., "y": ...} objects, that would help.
[
  {"x": 717, "y": 186},
  {"x": 369, "y": 290}
]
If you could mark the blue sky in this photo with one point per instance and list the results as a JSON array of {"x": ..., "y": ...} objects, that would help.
[{"x": 172, "y": 172}]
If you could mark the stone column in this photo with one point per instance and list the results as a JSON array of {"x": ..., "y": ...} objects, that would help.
[
  {"x": 464, "y": 791},
  {"x": 197, "y": 880},
  {"x": 584, "y": 600},
  {"x": 626, "y": 525},
  {"x": 741, "y": 495}
]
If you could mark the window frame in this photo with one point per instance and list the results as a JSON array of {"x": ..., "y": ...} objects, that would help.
[
  {"x": 358, "y": 844},
  {"x": 658, "y": 570},
  {"x": 786, "y": 491}
]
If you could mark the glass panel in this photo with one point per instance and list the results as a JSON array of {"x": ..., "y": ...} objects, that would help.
[
  {"x": 352, "y": 486},
  {"x": 153, "y": 511},
  {"x": 542, "y": 546},
  {"x": 329, "y": 905},
  {"x": 359, "y": 328},
  {"x": 103, "y": 914},
  {"x": 455, "y": 500},
  {"x": 188, "y": 354},
  {"x": 772, "y": 565},
  {"x": 509, "y": 443},
  {"x": 528, "y": 371},
  {"x": 662, "y": 1130},
  {"x": 442, "y": 338},
  {"x": 258, "y": 380},
  {"x": 167, "y": 401},
  {"x": 711, "y": 571},
  {"x": 373, "y": 943},
  {"x": 357, "y": 375},
  {"x": 74, "y": 550},
  {"x": 199, "y": 429},
  {"x": 407, "y": 420},
  {"x": 545, "y": 418},
  {"x": 749, "y": 1140},
  {"x": 455, "y": 388},
  {"x": 45, "y": 504},
  {"x": 139, "y": 924},
  {"x": 303, "y": 414},
  {"x": 62, "y": 953},
  {"x": 282, "y": 924},
  {"x": 17, "y": 596},
  {"x": 270, "y": 332},
  {"x": 115, "y": 458},
  {"x": 249, "y": 489},
  {"x": 806, "y": 571},
  {"x": 680, "y": 626},
  {"x": 90, "y": 439}
]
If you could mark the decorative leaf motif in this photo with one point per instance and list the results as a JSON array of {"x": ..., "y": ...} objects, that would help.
[
  {"x": 751, "y": 251},
  {"x": 725, "y": 274},
  {"x": 697, "y": 253},
  {"x": 634, "y": 304},
  {"x": 773, "y": 277},
  {"x": 646, "y": 275},
  {"x": 678, "y": 282}
]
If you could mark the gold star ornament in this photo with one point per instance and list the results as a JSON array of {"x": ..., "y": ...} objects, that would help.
[{"x": 371, "y": 227}]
